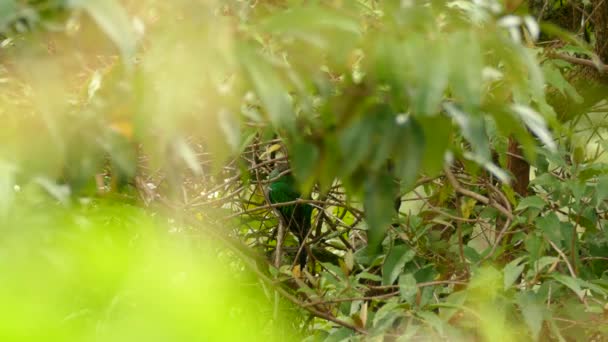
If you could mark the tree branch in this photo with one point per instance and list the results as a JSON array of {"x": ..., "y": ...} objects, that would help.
[
  {"x": 598, "y": 65},
  {"x": 481, "y": 198}
]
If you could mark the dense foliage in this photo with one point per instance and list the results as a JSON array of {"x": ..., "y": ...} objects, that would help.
[{"x": 452, "y": 152}]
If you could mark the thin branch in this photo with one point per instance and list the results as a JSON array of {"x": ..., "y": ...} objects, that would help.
[
  {"x": 423, "y": 284},
  {"x": 599, "y": 65},
  {"x": 499, "y": 238},
  {"x": 237, "y": 248},
  {"x": 564, "y": 257},
  {"x": 480, "y": 198},
  {"x": 282, "y": 204},
  {"x": 352, "y": 299}
]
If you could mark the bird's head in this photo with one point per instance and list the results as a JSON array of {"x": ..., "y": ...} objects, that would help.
[{"x": 277, "y": 171}]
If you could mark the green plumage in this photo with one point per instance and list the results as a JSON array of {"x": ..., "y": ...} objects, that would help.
[{"x": 296, "y": 216}]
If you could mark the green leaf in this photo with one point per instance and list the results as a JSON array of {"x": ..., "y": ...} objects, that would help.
[
  {"x": 427, "y": 296},
  {"x": 533, "y": 245},
  {"x": 336, "y": 271},
  {"x": 304, "y": 159},
  {"x": 385, "y": 317},
  {"x": 570, "y": 282},
  {"x": 487, "y": 164},
  {"x": 426, "y": 273},
  {"x": 543, "y": 262},
  {"x": 555, "y": 78},
  {"x": 368, "y": 276},
  {"x": 471, "y": 254},
  {"x": 395, "y": 260},
  {"x": 387, "y": 64},
  {"x": 407, "y": 287},
  {"x": 60, "y": 192},
  {"x": 307, "y": 19},
  {"x": 556, "y": 330},
  {"x": 577, "y": 187},
  {"x": 112, "y": 18},
  {"x": 536, "y": 123},
  {"x": 573, "y": 49},
  {"x": 8, "y": 13},
  {"x": 601, "y": 190},
  {"x": 231, "y": 127},
  {"x": 509, "y": 125},
  {"x": 455, "y": 301},
  {"x": 349, "y": 260},
  {"x": 437, "y": 134},
  {"x": 432, "y": 320},
  {"x": 269, "y": 87},
  {"x": 354, "y": 143},
  {"x": 409, "y": 151},
  {"x": 591, "y": 286},
  {"x": 185, "y": 152},
  {"x": 430, "y": 79},
  {"x": 378, "y": 204},
  {"x": 466, "y": 69},
  {"x": 576, "y": 44},
  {"x": 536, "y": 81},
  {"x": 384, "y": 137},
  {"x": 342, "y": 334},
  {"x": 411, "y": 331},
  {"x": 531, "y": 202},
  {"x": 546, "y": 180},
  {"x": 323, "y": 32},
  {"x": 472, "y": 127},
  {"x": 512, "y": 271},
  {"x": 550, "y": 225},
  {"x": 533, "y": 312},
  {"x": 363, "y": 257}
]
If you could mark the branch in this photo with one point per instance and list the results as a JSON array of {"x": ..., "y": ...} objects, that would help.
[
  {"x": 283, "y": 204},
  {"x": 599, "y": 65},
  {"x": 481, "y": 198},
  {"x": 564, "y": 257},
  {"x": 237, "y": 248}
]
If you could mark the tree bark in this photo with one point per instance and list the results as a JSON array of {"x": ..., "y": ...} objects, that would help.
[
  {"x": 519, "y": 168},
  {"x": 600, "y": 22}
]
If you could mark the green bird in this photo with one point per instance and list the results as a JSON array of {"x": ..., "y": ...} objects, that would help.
[{"x": 296, "y": 217}]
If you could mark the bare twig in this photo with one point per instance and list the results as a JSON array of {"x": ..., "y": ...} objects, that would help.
[
  {"x": 499, "y": 238},
  {"x": 423, "y": 284},
  {"x": 563, "y": 256},
  {"x": 481, "y": 198}
]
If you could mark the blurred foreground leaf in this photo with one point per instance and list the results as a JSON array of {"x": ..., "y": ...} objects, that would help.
[{"x": 110, "y": 272}]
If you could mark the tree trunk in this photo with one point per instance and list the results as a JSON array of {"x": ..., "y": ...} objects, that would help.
[
  {"x": 600, "y": 21},
  {"x": 519, "y": 168}
]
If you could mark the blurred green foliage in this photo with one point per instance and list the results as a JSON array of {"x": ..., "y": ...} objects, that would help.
[
  {"x": 107, "y": 271},
  {"x": 410, "y": 78}
]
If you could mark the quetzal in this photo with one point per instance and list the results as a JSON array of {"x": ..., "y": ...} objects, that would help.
[{"x": 296, "y": 217}]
